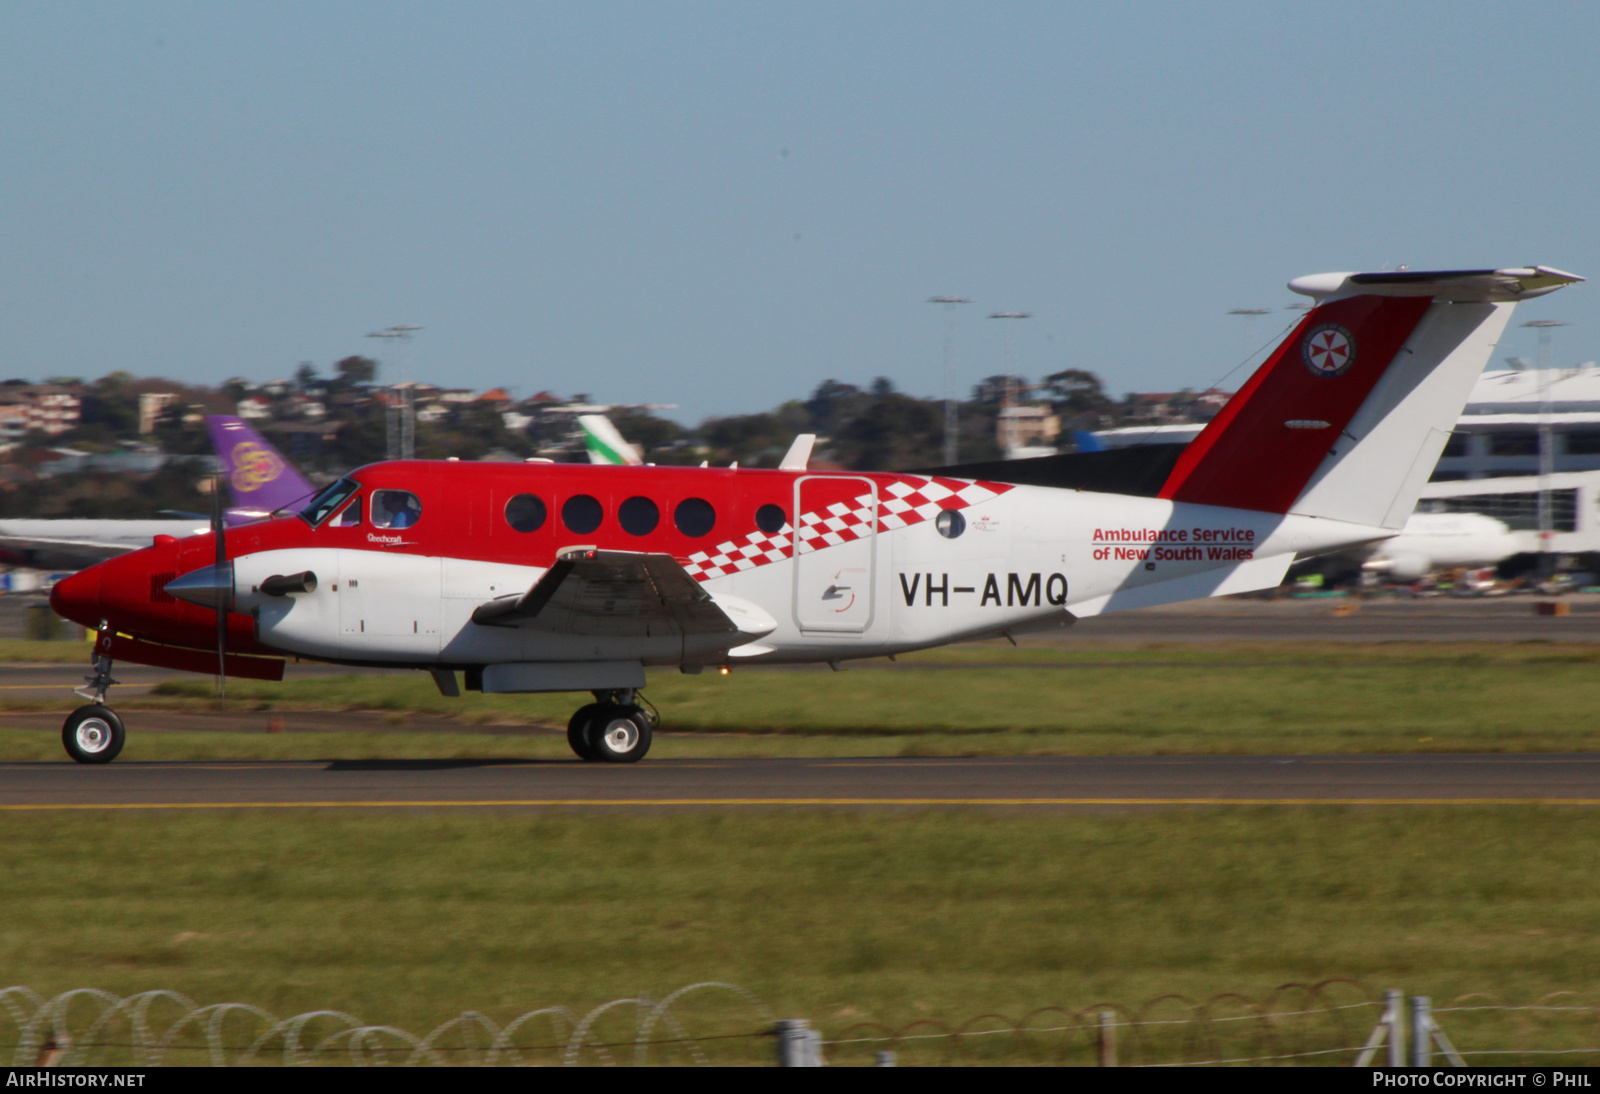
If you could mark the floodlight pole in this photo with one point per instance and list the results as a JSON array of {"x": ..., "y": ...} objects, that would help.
[
  {"x": 1249, "y": 327},
  {"x": 401, "y": 412},
  {"x": 1008, "y": 398},
  {"x": 951, "y": 426},
  {"x": 1547, "y": 456}
]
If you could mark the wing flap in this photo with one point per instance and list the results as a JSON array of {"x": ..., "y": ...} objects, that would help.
[{"x": 612, "y": 594}]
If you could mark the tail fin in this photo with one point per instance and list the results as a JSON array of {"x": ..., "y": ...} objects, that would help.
[
  {"x": 1347, "y": 417},
  {"x": 260, "y": 480},
  {"x": 604, "y": 443}
]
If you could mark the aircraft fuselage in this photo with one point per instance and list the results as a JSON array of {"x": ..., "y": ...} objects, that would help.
[{"x": 841, "y": 565}]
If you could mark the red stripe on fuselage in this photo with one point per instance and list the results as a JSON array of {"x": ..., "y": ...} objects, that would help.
[{"x": 1249, "y": 457}]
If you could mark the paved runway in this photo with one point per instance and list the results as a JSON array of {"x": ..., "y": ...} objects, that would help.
[
  {"x": 1393, "y": 619},
  {"x": 1045, "y": 782},
  {"x": 1032, "y": 783}
]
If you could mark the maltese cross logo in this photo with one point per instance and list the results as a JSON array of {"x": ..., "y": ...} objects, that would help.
[{"x": 1328, "y": 350}]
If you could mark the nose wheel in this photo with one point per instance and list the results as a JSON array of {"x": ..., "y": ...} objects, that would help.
[
  {"x": 617, "y": 729},
  {"x": 93, "y": 734}
]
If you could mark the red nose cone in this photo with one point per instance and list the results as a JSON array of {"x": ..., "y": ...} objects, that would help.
[{"x": 78, "y": 597}]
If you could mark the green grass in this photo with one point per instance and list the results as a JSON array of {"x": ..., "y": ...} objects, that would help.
[
  {"x": 1229, "y": 698},
  {"x": 29, "y": 649},
  {"x": 409, "y": 919}
]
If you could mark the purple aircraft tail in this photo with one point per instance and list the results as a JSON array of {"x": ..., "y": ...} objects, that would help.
[{"x": 260, "y": 480}]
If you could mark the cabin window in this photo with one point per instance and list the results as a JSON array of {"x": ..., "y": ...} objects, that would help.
[
  {"x": 771, "y": 519},
  {"x": 694, "y": 517},
  {"x": 638, "y": 516},
  {"x": 349, "y": 516},
  {"x": 525, "y": 513},
  {"x": 581, "y": 514},
  {"x": 331, "y": 497},
  {"x": 395, "y": 509},
  {"x": 950, "y": 523}
]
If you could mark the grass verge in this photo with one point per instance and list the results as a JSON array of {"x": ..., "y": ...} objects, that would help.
[
  {"x": 1225, "y": 699},
  {"x": 408, "y": 919}
]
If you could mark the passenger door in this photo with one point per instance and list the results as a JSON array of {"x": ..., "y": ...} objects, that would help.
[{"x": 836, "y": 519}]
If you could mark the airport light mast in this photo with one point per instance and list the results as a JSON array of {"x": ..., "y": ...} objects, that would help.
[
  {"x": 1547, "y": 456},
  {"x": 1008, "y": 393},
  {"x": 400, "y": 417},
  {"x": 951, "y": 426},
  {"x": 1249, "y": 327}
]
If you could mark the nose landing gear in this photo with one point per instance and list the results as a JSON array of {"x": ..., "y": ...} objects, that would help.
[
  {"x": 616, "y": 728},
  {"x": 94, "y": 734}
]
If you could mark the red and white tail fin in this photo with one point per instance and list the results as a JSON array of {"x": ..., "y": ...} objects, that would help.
[{"x": 1347, "y": 417}]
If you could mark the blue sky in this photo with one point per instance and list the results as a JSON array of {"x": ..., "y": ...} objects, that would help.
[{"x": 718, "y": 206}]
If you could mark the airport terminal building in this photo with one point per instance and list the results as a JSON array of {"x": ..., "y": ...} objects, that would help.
[{"x": 1498, "y": 434}]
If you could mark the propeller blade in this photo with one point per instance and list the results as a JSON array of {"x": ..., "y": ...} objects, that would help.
[{"x": 222, "y": 602}]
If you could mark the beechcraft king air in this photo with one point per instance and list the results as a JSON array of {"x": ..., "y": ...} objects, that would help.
[{"x": 548, "y": 577}]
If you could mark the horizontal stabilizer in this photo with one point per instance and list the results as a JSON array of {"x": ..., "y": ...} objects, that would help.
[{"x": 1452, "y": 286}]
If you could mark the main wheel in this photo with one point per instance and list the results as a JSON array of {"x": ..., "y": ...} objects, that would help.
[
  {"x": 93, "y": 734},
  {"x": 578, "y": 732},
  {"x": 620, "y": 735}
]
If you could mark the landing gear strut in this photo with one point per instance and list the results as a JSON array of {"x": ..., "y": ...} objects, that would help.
[
  {"x": 615, "y": 728},
  {"x": 93, "y": 734}
]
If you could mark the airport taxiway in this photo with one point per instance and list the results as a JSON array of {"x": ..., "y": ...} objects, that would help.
[{"x": 1046, "y": 782}]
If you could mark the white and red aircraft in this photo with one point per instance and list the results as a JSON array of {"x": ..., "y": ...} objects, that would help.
[{"x": 543, "y": 577}]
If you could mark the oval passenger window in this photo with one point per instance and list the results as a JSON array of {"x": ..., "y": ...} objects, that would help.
[
  {"x": 771, "y": 519},
  {"x": 694, "y": 517},
  {"x": 638, "y": 516},
  {"x": 581, "y": 514},
  {"x": 950, "y": 524},
  {"x": 525, "y": 513}
]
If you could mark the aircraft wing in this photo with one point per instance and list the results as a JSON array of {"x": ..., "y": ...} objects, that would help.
[
  {"x": 613, "y": 594},
  {"x": 73, "y": 544},
  {"x": 89, "y": 545}
]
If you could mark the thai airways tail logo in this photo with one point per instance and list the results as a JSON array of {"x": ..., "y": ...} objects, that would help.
[{"x": 254, "y": 466}]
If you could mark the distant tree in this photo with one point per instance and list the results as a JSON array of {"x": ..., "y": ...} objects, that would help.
[
  {"x": 305, "y": 375},
  {"x": 360, "y": 440},
  {"x": 893, "y": 432},
  {"x": 112, "y": 404},
  {"x": 830, "y": 404},
  {"x": 356, "y": 370},
  {"x": 882, "y": 386},
  {"x": 990, "y": 390},
  {"x": 1073, "y": 391},
  {"x": 754, "y": 440},
  {"x": 180, "y": 437}
]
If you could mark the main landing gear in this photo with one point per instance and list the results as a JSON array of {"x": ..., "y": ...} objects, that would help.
[
  {"x": 616, "y": 727},
  {"x": 93, "y": 734}
]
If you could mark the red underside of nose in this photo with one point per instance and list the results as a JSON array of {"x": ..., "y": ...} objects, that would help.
[{"x": 78, "y": 597}]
